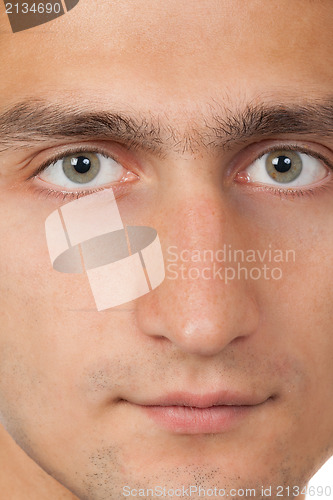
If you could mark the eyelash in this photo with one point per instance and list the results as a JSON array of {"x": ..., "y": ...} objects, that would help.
[
  {"x": 68, "y": 195},
  {"x": 292, "y": 192},
  {"x": 47, "y": 192}
]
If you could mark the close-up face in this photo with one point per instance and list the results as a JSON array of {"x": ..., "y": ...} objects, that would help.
[{"x": 212, "y": 123}]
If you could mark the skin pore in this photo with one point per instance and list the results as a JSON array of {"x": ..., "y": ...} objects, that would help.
[{"x": 194, "y": 94}]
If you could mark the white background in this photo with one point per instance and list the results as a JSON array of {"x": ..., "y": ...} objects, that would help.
[{"x": 324, "y": 477}]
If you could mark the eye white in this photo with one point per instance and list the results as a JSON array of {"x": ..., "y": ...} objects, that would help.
[
  {"x": 312, "y": 171},
  {"x": 110, "y": 171}
]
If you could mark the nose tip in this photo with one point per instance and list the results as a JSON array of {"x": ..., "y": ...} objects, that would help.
[
  {"x": 215, "y": 328},
  {"x": 204, "y": 337},
  {"x": 198, "y": 322}
]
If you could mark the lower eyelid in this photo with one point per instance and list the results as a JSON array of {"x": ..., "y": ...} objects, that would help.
[
  {"x": 46, "y": 191},
  {"x": 291, "y": 192}
]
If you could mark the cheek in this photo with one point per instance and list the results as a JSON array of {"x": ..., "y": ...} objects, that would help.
[
  {"x": 299, "y": 311},
  {"x": 296, "y": 310},
  {"x": 29, "y": 285},
  {"x": 41, "y": 325}
]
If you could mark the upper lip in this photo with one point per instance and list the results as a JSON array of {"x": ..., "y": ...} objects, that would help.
[{"x": 207, "y": 400}]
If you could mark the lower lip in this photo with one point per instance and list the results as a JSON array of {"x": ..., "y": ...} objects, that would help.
[{"x": 194, "y": 420}]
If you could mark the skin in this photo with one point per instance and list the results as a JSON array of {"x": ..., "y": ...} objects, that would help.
[{"x": 63, "y": 365}]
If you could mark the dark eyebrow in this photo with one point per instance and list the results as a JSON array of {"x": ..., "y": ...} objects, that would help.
[
  {"x": 31, "y": 122},
  {"x": 264, "y": 120}
]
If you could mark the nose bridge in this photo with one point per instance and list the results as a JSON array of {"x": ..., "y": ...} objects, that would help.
[
  {"x": 200, "y": 219},
  {"x": 195, "y": 307},
  {"x": 202, "y": 231}
]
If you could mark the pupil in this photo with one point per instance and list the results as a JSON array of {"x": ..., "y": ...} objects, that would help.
[
  {"x": 81, "y": 164},
  {"x": 282, "y": 163}
]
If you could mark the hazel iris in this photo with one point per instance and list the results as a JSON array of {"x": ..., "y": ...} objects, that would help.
[
  {"x": 284, "y": 166},
  {"x": 81, "y": 168}
]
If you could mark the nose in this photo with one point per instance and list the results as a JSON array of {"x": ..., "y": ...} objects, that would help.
[{"x": 195, "y": 307}]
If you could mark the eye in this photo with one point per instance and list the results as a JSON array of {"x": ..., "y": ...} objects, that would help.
[
  {"x": 286, "y": 168},
  {"x": 83, "y": 170}
]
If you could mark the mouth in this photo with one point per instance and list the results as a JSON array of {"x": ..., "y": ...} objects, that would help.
[{"x": 188, "y": 413}]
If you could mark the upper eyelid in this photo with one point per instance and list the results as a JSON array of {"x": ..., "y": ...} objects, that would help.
[
  {"x": 71, "y": 151},
  {"x": 300, "y": 150},
  {"x": 289, "y": 147}
]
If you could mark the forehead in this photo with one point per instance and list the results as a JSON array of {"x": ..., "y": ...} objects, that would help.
[{"x": 170, "y": 54}]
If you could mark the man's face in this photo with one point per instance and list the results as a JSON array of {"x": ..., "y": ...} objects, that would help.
[{"x": 209, "y": 88}]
